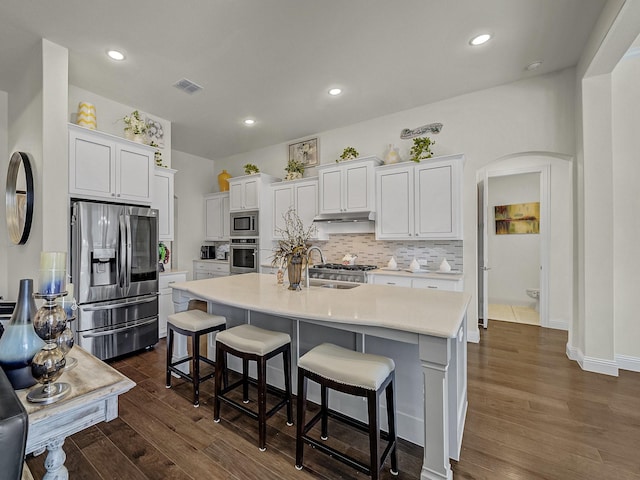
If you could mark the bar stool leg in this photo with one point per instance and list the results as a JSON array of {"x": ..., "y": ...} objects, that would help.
[
  {"x": 245, "y": 380},
  {"x": 220, "y": 367},
  {"x": 195, "y": 343},
  {"x": 169, "y": 356},
  {"x": 324, "y": 408},
  {"x": 301, "y": 411},
  {"x": 391, "y": 416},
  {"x": 262, "y": 403},
  {"x": 286, "y": 361},
  {"x": 374, "y": 433}
]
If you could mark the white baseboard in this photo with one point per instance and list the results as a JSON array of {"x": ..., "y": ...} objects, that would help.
[
  {"x": 626, "y": 362},
  {"x": 558, "y": 324},
  {"x": 473, "y": 334},
  {"x": 592, "y": 364}
]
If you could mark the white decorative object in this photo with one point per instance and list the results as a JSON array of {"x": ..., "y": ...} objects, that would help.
[
  {"x": 392, "y": 263},
  {"x": 349, "y": 259},
  {"x": 444, "y": 266},
  {"x": 407, "y": 133},
  {"x": 392, "y": 155},
  {"x": 414, "y": 266}
]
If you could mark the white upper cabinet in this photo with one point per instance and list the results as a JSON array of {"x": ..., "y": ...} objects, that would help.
[
  {"x": 103, "y": 166},
  {"x": 299, "y": 194},
  {"x": 420, "y": 201},
  {"x": 217, "y": 219},
  {"x": 163, "y": 201},
  {"x": 348, "y": 186},
  {"x": 245, "y": 192}
]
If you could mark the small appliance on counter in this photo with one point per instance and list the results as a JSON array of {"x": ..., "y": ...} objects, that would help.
[{"x": 207, "y": 252}]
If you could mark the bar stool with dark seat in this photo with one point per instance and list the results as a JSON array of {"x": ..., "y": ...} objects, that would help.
[
  {"x": 251, "y": 343},
  {"x": 354, "y": 373},
  {"x": 193, "y": 324}
]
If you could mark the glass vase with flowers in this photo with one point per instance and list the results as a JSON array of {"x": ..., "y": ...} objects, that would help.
[{"x": 293, "y": 248}]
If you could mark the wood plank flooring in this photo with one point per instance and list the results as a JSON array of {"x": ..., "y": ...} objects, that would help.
[{"x": 533, "y": 414}]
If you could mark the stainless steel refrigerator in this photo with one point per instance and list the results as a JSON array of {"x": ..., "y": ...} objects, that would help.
[{"x": 114, "y": 270}]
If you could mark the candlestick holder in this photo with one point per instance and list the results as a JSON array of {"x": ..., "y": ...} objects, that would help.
[{"x": 49, "y": 363}]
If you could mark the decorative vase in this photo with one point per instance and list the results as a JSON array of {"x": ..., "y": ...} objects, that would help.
[
  {"x": 135, "y": 137},
  {"x": 87, "y": 115},
  {"x": 20, "y": 343},
  {"x": 392, "y": 155},
  {"x": 293, "y": 176},
  {"x": 223, "y": 181},
  {"x": 294, "y": 270}
]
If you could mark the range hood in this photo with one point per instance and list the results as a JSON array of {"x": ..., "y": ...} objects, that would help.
[{"x": 346, "y": 217}]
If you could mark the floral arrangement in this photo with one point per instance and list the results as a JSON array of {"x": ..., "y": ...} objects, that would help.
[
  {"x": 135, "y": 124},
  {"x": 349, "y": 153},
  {"x": 295, "y": 239},
  {"x": 250, "y": 168},
  {"x": 421, "y": 148},
  {"x": 294, "y": 169},
  {"x": 157, "y": 155}
]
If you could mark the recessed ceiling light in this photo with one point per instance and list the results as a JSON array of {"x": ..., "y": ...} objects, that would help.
[
  {"x": 115, "y": 55},
  {"x": 335, "y": 91},
  {"x": 533, "y": 65},
  {"x": 249, "y": 121},
  {"x": 480, "y": 39}
]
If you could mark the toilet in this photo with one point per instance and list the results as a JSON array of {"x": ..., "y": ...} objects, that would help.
[{"x": 535, "y": 293}]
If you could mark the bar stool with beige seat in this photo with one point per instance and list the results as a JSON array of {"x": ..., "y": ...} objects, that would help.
[
  {"x": 353, "y": 373},
  {"x": 193, "y": 324},
  {"x": 251, "y": 343}
]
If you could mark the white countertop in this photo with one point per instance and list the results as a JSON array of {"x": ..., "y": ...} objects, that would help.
[
  {"x": 210, "y": 260},
  {"x": 421, "y": 274},
  {"x": 173, "y": 272},
  {"x": 435, "y": 313}
]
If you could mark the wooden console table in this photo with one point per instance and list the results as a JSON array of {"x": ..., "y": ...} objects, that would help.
[{"x": 95, "y": 387}]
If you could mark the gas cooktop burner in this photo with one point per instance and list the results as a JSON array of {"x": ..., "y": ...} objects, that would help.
[{"x": 339, "y": 266}]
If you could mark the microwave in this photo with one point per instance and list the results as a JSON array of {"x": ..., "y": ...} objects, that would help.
[{"x": 244, "y": 224}]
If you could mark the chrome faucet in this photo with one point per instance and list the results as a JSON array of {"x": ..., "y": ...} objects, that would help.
[{"x": 322, "y": 259}]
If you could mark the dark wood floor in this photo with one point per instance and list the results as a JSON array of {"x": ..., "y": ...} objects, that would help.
[{"x": 533, "y": 414}]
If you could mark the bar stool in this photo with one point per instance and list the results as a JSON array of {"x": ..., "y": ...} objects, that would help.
[
  {"x": 191, "y": 323},
  {"x": 256, "y": 344},
  {"x": 354, "y": 373}
]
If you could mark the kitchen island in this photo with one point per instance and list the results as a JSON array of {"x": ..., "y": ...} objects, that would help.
[{"x": 423, "y": 331}]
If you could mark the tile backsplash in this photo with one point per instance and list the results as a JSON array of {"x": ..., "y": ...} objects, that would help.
[{"x": 370, "y": 251}]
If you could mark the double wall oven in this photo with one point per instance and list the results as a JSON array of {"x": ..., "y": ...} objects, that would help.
[{"x": 244, "y": 245}]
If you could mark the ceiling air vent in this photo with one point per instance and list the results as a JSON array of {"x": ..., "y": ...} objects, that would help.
[{"x": 187, "y": 86}]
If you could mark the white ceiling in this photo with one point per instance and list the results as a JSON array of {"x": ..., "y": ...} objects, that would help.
[{"x": 274, "y": 60}]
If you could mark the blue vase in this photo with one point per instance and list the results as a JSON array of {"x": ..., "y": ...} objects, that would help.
[{"x": 20, "y": 343}]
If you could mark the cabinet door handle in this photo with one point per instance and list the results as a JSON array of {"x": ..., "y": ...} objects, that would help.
[
  {"x": 113, "y": 194},
  {"x": 431, "y": 286},
  {"x": 391, "y": 283}
]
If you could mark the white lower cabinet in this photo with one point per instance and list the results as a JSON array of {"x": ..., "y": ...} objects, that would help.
[
  {"x": 165, "y": 301},
  {"x": 454, "y": 284},
  {"x": 209, "y": 269}
]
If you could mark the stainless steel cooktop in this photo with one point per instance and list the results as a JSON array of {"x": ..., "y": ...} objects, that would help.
[{"x": 344, "y": 273}]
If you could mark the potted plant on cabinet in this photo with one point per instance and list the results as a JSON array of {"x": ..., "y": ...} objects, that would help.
[
  {"x": 293, "y": 249},
  {"x": 421, "y": 148},
  {"x": 294, "y": 169},
  {"x": 135, "y": 127},
  {"x": 250, "y": 169},
  {"x": 348, "y": 153}
]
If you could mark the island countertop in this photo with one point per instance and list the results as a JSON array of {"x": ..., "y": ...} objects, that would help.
[{"x": 425, "y": 312}]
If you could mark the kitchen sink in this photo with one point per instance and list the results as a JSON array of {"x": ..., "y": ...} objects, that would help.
[{"x": 329, "y": 284}]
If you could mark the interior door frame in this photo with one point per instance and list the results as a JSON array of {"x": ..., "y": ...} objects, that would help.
[{"x": 545, "y": 224}]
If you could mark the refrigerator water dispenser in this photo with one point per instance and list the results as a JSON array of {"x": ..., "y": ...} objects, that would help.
[{"x": 103, "y": 266}]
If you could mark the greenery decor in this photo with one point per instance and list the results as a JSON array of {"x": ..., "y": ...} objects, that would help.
[
  {"x": 349, "y": 153},
  {"x": 157, "y": 155},
  {"x": 294, "y": 169},
  {"x": 421, "y": 148},
  {"x": 135, "y": 124},
  {"x": 295, "y": 239},
  {"x": 250, "y": 168}
]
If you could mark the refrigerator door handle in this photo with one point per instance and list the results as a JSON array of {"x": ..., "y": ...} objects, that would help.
[
  {"x": 118, "y": 330},
  {"x": 122, "y": 260},
  {"x": 111, "y": 306},
  {"x": 127, "y": 221}
]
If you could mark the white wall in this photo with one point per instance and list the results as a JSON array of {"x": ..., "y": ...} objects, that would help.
[
  {"x": 626, "y": 205},
  {"x": 4, "y": 164},
  {"x": 536, "y": 114},
  {"x": 109, "y": 115},
  {"x": 195, "y": 177},
  {"x": 514, "y": 259}
]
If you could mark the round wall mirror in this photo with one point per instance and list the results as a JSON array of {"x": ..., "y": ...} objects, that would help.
[{"x": 19, "y": 198}]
